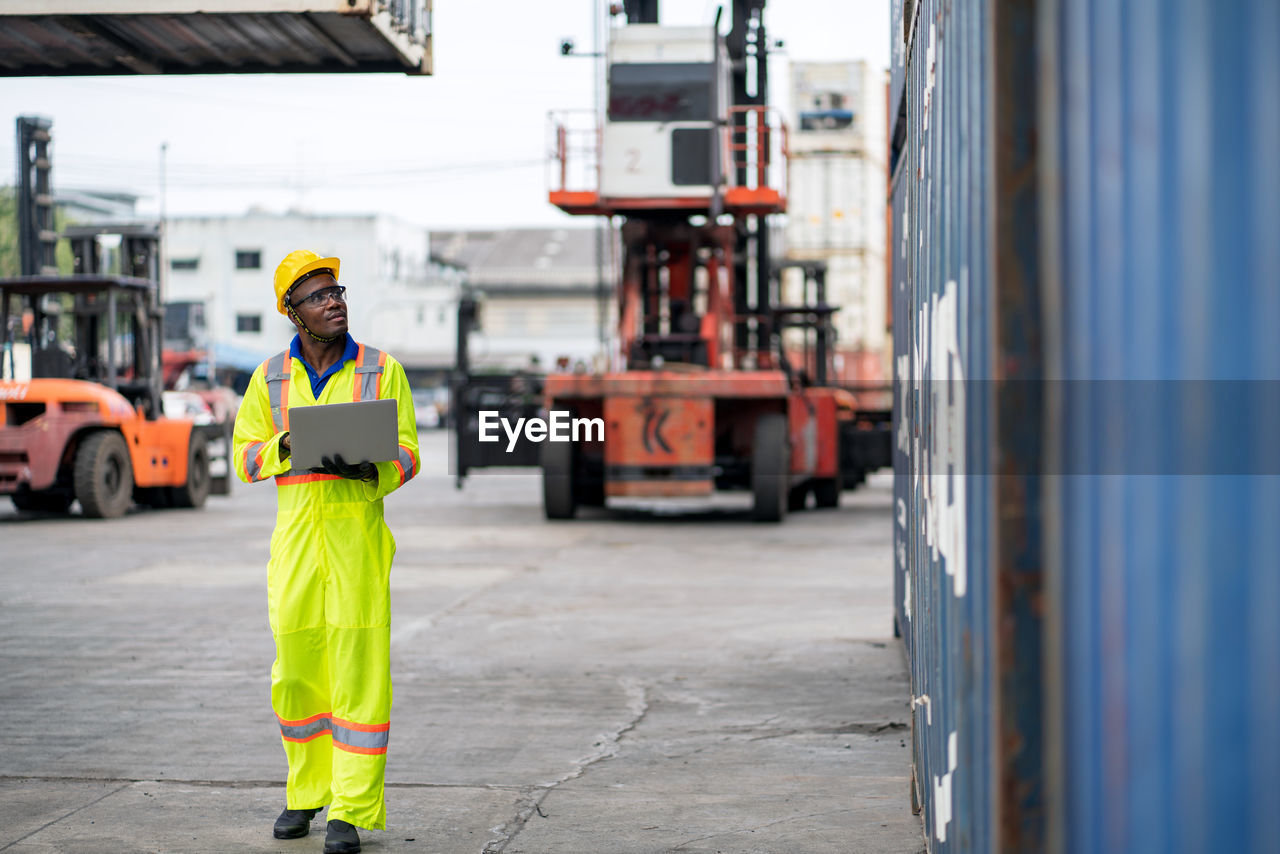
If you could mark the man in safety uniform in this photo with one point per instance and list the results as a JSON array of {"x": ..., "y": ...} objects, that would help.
[{"x": 327, "y": 578}]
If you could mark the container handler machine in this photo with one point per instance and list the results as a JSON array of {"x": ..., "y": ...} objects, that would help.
[
  {"x": 701, "y": 395},
  {"x": 87, "y": 425}
]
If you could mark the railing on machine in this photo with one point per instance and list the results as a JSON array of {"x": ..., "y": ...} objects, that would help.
[
  {"x": 574, "y": 178},
  {"x": 756, "y": 140},
  {"x": 754, "y": 153}
]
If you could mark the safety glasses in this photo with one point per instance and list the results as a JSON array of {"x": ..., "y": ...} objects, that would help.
[{"x": 322, "y": 296}]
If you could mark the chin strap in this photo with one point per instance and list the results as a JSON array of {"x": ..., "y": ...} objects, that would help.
[{"x": 293, "y": 315}]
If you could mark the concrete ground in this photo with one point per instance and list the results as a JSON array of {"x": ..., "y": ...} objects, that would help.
[{"x": 629, "y": 682}]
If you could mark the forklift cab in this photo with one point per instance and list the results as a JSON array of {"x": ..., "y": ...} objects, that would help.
[{"x": 102, "y": 324}]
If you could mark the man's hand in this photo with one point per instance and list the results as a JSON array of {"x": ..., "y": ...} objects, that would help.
[{"x": 336, "y": 465}]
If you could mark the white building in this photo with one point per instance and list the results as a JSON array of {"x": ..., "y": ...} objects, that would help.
[
  {"x": 836, "y": 198},
  {"x": 397, "y": 300},
  {"x": 540, "y": 290},
  {"x": 87, "y": 207}
]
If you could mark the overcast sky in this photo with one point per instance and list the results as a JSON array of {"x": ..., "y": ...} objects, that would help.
[{"x": 465, "y": 147}]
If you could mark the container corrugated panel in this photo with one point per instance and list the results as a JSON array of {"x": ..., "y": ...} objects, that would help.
[
  {"x": 942, "y": 337},
  {"x": 855, "y": 283},
  {"x": 834, "y": 201},
  {"x": 1166, "y": 311},
  {"x": 897, "y": 250},
  {"x": 1123, "y": 245}
]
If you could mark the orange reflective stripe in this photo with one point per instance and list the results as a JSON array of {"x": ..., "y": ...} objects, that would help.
[
  {"x": 253, "y": 466},
  {"x": 382, "y": 366},
  {"x": 276, "y": 372},
  {"x": 293, "y": 479},
  {"x": 351, "y": 748},
  {"x": 370, "y": 363},
  {"x": 356, "y": 385},
  {"x": 407, "y": 464},
  {"x": 304, "y": 721}
]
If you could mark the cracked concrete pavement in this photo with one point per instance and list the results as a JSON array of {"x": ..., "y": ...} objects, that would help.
[{"x": 627, "y": 682}]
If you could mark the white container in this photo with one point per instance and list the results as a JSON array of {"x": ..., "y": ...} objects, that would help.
[
  {"x": 837, "y": 107},
  {"x": 855, "y": 282},
  {"x": 834, "y": 202}
]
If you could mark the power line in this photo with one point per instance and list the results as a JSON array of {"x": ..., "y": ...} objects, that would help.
[{"x": 118, "y": 172}]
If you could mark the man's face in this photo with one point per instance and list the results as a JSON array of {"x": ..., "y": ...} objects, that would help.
[{"x": 326, "y": 318}]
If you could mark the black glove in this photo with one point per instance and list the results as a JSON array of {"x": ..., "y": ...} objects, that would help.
[{"x": 336, "y": 465}]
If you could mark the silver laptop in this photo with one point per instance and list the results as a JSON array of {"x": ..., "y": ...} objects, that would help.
[{"x": 366, "y": 430}]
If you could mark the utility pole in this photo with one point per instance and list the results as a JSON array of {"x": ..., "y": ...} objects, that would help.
[
  {"x": 602, "y": 294},
  {"x": 162, "y": 262}
]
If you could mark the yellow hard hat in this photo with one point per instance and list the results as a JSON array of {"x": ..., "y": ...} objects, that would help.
[{"x": 295, "y": 266}]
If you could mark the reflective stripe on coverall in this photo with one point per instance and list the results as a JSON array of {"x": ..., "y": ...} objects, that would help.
[{"x": 327, "y": 588}]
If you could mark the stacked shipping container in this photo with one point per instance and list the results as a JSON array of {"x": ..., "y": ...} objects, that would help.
[
  {"x": 836, "y": 180},
  {"x": 1084, "y": 200}
]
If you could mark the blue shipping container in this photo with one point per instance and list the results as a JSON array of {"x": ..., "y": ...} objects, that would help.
[
  {"x": 1085, "y": 251},
  {"x": 1162, "y": 145}
]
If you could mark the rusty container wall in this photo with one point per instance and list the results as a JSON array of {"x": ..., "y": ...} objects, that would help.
[
  {"x": 942, "y": 271},
  {"x": 896, "y": 250},
  {"x": 1164, "y": 310},
  {"x": 1084, "y": 204}
]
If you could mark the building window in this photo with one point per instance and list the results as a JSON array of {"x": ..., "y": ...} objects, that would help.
[
  {"x": 248, "y": 259},
  {"x": 184, "y": 264},
  {"x": 248, "y": 323}
]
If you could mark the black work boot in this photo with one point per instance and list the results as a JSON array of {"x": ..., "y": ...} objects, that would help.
[
  {"x": 293, "y": 824},
  {"x": 341, "y": 838}
]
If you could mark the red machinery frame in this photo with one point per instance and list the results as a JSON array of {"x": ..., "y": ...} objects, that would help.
[{"x": 703, "y": 400}]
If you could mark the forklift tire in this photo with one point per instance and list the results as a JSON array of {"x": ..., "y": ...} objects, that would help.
[
  {"x": 194, "y": 492},
  {"x": 797, "y": 498},
  {"x": 51, "y": 501},
  {"x": 826, "y": 491},
  {"x": 588, "y": 481},
  {"x": 558, "y": 500},
  {"x": 770, "y": 458},
  {"x": 103, "y": 475}
]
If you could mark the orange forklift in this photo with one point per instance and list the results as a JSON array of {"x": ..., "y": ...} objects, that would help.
[
  {"x": 701, "y": 395},
  {"x": 87, "y": 425}
]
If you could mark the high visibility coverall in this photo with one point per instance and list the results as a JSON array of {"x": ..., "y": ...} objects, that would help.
[{"x": 327, "y": 587}]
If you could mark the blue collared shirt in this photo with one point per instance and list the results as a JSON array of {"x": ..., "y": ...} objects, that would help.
[{"x": 318, "y": 380}]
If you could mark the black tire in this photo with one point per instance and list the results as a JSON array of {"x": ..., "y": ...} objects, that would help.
[
  {"x": 826, "y": 491},
  {"x": 103, "y": 475},
  {"x": 770, "y": 458},
  {"x": 588, "y": 482},
  {"x": 797, "y": 496},
  {"x": 50, "y": 501},
  {"x": 558, "y": 501},
  {"x": 194, "y": 492}
]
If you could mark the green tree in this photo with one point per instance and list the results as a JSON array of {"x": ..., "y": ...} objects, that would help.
[
  {"x": 10, "y": 263},
  {"x": 10, "y": 258}
]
